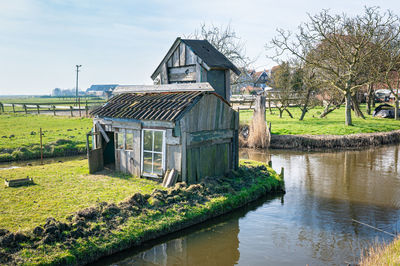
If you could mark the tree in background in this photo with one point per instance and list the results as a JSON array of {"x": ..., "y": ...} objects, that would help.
[
  {"x": 281, "y": 80},
  {"x": 339, "y": 47},
  {"x": 226, "y": 41},
  {"x": 306, "y": 86},
  {"x": 390, "y": 66}
]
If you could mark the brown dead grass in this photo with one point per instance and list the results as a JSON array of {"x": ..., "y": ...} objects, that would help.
[
  {"x": 258, "y": 135},
  {"x": 386, "y": 254}
]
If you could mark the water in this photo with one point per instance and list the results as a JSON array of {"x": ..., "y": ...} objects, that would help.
[{"x": 311, "y": 224}]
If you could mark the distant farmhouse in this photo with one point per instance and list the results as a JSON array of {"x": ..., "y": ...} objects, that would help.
[
  {"x": 101, "y": 90},
  {"x": 251, "y": 82},
  {"x": 184, "y": 125}
]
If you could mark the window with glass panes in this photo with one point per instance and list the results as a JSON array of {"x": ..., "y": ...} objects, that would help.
[
  {"x": 128, "y": 140},
  {"x": 119, "y": 140},
  {"x": 153, "y": 152}
]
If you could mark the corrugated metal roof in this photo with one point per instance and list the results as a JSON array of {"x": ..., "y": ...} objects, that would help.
[{"x": 165, "y": 106}]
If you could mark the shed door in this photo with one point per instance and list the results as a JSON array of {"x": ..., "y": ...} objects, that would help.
[{"x": 124, "y": 151}]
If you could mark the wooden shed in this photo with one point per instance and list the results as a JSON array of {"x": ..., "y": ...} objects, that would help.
[
  {"x": 189, "y": 61},
  {"x": 148, "y": 130}
]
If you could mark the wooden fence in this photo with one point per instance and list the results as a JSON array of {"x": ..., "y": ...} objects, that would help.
[{"x": 52, "y": 108}]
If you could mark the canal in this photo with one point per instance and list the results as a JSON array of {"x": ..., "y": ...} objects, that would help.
[{"x": 317, "y": 222}]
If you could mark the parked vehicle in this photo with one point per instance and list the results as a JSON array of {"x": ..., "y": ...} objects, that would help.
[{"x": 384, "y": 111}]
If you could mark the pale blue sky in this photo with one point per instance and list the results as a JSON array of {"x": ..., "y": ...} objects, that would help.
[{"x": 122, "y": 42}]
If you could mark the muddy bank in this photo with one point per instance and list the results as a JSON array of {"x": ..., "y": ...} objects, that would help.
[{"x": 108, "y": 228}]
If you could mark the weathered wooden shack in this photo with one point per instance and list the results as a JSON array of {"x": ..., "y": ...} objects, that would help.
[
  {"x": 148, "y": 130},
  {"x": 189, "y": 61}
]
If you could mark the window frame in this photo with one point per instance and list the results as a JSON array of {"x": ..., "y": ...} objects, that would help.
[
  {"x": 126, "y": 132},
  {"x": 120, "y": 132},
  {"x": 163, "y": 153}
]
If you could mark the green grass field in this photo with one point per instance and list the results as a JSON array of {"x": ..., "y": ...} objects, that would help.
[
  {"x": 20, "y": 139},
  {"x": 60, "y": 189},
  {"x": 333, "y": 124}
]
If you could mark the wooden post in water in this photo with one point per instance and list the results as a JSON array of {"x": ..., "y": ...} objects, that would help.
[
  {"x": 72, "y": 114},
  {"x": 41, "y": 147},
  {"x": 79, "y": 106},
  {"x": 258, "y": 133}
]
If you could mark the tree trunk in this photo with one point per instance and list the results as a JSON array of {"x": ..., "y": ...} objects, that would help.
[
  {"x": 303, "y": 113},
  {"x": 348, "y": 121},
  {"x": 305, "y": 106},
  {"x": 396, "y": 108},
  {"x": 357, "y": 109},
  {"x": 370, "y": 96},
  {"x": 280, "y": 112},
  {"x": 290, "y": 114}
]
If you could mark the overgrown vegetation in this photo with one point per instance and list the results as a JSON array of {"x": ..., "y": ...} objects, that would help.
[
  {"x": 313, "y": 125},
  {"x": 388, "y": 254},
  {"x": 20, "y": 139},
  {"x": 107, "y": 227}
]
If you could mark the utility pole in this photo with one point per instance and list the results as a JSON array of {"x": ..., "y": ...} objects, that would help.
[{"x": 77, "y": 71}]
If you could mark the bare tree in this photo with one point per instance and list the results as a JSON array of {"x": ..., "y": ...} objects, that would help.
[
  {"x": 281, "y": 81},
  {"x": 305, "y": 86},
  {"x": 225, "y": 40},
  {"x": 341, "y": 48},
  {"x": 390, "y": 64}
]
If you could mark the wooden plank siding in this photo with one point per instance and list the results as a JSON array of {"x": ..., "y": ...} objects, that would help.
[{"x": 210, "y": 132}]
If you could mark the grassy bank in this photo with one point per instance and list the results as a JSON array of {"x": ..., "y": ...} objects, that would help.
[
  {"x": 20, "y": 139},
  {"x": 58, "y": 191},
  {"x": 107, "y": 227},
  {"x": 388, "y": 254},
  {"x": 333, "y": 124}
]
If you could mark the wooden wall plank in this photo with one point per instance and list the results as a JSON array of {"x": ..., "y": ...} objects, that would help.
[
  {"x": 190, "y": 56},
  {"x": 182, "y": 54},
  {"x": 175, "y": 58},
  {"x": 137, "y": 152},
  {"x": 164, "y": 74},
  {"x": 182, "y": 77}
]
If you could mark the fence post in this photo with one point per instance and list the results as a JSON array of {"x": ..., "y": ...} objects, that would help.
[
  {"x": 26, "y": 111},
  {"x": 38, "y": 111},
  {"x": 13, "y": 108},
  {"x": 86, "y": 109},
  {"x": 72, "y": 114},
  {"x": 54, "y": 110},
  {"x": 2, "y": 107}
]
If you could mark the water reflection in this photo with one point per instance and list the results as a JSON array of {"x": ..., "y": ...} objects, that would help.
[{"x": 311, "y": 224}]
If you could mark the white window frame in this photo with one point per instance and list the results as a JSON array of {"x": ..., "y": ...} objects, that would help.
[{"x": 152, "y": 158}]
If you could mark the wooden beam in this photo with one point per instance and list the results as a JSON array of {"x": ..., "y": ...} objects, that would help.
[
  {"x": 103, "y": 133},
  {"x": 203, "y": 136}
]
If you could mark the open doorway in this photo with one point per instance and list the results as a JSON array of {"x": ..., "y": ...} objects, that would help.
[{"x": 109, "y": 151}]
